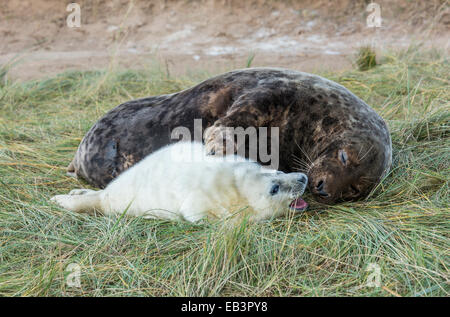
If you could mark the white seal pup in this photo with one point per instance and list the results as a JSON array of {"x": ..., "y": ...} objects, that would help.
[{"x": 181, "y": 181}]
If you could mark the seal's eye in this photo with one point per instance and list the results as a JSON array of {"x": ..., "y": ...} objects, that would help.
[
  {"x": 274, "y": 189},
  {"x": 354, "y": 190},
  {"x": 343, "y": 157}
]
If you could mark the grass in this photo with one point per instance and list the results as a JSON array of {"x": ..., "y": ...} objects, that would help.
[
  {"x": 366, "y": 58},
  {"x": 403, "y": 227}
]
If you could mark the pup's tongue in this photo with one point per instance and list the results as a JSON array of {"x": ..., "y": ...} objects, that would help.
[{"x": 299, "y": 204}]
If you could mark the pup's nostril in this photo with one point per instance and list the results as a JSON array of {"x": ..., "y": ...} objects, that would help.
[{"x": 302, "y": 180}]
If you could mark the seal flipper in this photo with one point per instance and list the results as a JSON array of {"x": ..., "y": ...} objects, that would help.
[
  {"x": 249, "y": 110},
  {"x": 71, "y": 170},
  {"x": 86, "y": 203}
]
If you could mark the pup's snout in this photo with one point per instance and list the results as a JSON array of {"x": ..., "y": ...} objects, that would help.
[{"x": 302, "y": 179}]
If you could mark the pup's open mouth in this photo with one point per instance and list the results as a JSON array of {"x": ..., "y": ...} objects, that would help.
[{"x": 298, "y": 205}]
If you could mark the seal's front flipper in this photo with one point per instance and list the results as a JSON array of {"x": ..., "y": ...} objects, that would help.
[
  {"x": 220, "y": 141},
  {"x": 228, "y": 134}
]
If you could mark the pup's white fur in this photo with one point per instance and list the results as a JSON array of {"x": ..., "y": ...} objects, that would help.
[{"x": 181, "y": 182}]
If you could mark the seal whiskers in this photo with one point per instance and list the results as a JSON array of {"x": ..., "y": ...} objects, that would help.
[{"x": 301, "y": 165}]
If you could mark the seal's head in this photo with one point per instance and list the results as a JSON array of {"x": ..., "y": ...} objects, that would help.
[
  {"x": 271, "y": 193},
  {"x": 348, "y": 169}
]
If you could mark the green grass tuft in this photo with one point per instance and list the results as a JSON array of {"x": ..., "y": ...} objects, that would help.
[
  {"x": 250, "y": 59},
  {"x": 366, "y": 58},
  {"x": 403, "y": 227}
]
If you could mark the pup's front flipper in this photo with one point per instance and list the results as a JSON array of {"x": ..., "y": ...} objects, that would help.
[
  {"x": 81, "y": 191},
  {"x": 86, "y": 202},
  {"x": 65, "y": 201}
]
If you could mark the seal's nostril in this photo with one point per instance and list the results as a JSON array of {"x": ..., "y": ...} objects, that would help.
[
  {"x": 320, "y": 190},
  {"x": 320, "y": 185}
]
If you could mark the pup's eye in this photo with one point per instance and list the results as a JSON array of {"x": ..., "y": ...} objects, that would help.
[
  {"x": 343, "y": 157},
  {"x": 274, "y": 189}
]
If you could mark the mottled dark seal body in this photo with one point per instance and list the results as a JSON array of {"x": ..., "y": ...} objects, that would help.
[{"x": 343, "y": 144}]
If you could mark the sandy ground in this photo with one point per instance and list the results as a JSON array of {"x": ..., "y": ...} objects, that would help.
[{"x": 210, "y": 35}]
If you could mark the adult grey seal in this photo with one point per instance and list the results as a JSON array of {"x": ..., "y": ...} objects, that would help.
[{"x": 326, "y": 131}]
